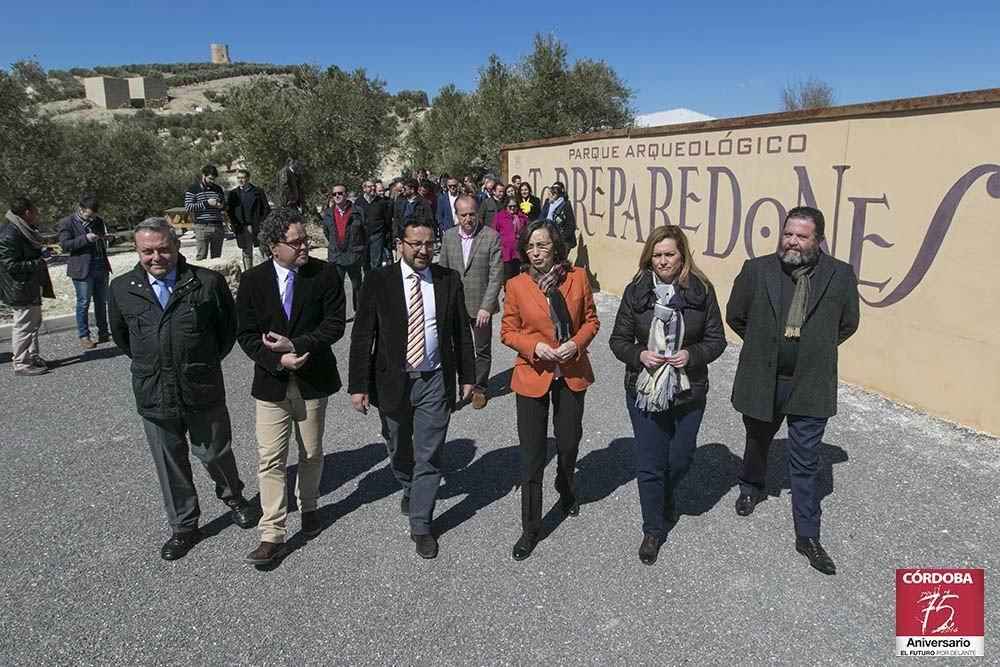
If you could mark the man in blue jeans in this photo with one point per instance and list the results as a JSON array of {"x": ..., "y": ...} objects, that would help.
[{"x": 83, "y": 236}]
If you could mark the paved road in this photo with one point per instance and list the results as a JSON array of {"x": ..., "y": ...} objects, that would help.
[{"x": 82, "y": 582}]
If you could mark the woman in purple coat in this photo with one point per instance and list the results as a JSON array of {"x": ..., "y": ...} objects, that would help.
[{"x": 509, "y": 222}]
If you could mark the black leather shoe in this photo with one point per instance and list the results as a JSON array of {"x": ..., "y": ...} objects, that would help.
[
  {"x": 245, "y": 515},
  {"x": 265, "y": 553},
  {"x": 649, "y": 549},
  {"x": 814, "y": 551},
  {"x": 745, "y": 504},
  {"x": 670, "y": 512},
  {"x": 569, "y": 505},
  {"x": 311, "y": 525},
  {"x": 524, "y": 546},
  {"x": 404, "y": 506},
  {"x": 427, "y": 545},
  {"x": 179, "y": 544}
]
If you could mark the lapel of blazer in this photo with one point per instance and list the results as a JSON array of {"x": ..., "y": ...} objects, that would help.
[
  {"x": 476, "y": 242},
  {"x": 772, "y": 282},
  {"x": 272, "y": 297},
  {"x": 536, "y": 294},
  {"x": 819, "y": 282},
  {"x": 395, "y": 301},
  {"x": 440, "y": 299},
  {"x": 303, "y": 283}
]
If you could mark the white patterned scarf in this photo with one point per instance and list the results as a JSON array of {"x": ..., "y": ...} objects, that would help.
[{"x": 655, "y": 391}]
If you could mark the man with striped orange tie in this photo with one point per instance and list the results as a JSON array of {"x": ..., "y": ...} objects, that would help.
[{"x": 410, "y": 340}]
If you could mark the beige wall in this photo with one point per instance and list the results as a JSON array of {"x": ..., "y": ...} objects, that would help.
[{"x": 912, "y": 201}]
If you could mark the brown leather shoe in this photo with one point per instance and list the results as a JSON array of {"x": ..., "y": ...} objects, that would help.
[
  {"x": 104, "y": 339},
  {"x": 87, "y": 344},
  {"x": 31, "y": 371},
  {"x": 478, "y": 400},
  {"x": 267, "y": 552}
]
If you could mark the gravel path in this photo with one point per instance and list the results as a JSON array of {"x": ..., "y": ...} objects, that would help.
[{"x": 82, "y": 582}]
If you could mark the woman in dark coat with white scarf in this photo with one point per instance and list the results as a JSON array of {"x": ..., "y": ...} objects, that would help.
[{"x": 668, "y": 329}]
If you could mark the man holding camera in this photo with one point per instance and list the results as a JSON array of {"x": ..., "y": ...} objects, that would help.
[{"x": 83, "y": 236}]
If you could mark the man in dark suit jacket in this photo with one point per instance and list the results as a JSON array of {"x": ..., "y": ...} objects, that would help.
[
  {"x": 84, "y": 236},
  {"x": 410, "y": 205},
  {"x": 290, "y": 190},
  {"x": 290, "y": 311},
  {"x": 446, "y": 206},
  {"x": 378, "y": 223},
  {"x": 247, "y": 207},
  {"x": 410, "y": 339},
  {"x": 558, "y": 209},
  {"x": 792, "y": 309}
]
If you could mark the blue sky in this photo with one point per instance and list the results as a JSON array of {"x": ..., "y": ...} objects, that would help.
[{"x": 721, "y": 58}]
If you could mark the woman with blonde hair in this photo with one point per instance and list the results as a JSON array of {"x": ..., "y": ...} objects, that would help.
[{"x": 668, "y": 329}]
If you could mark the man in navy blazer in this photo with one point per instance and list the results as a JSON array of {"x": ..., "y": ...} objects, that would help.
[
  {"x": 446, "y": 206},
  {"x": 83, "y": 235}
]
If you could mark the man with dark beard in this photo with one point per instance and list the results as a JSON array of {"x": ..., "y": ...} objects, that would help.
[{"x": 792, "y": 309}]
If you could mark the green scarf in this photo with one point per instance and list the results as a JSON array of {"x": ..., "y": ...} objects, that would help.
[{"x": 800, "y": 300}]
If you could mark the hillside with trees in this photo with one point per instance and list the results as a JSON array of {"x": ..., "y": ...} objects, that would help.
[{"x": 56, "y": 146}]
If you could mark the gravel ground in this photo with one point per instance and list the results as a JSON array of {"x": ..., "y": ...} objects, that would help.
[{"x": 82, "y": 582}]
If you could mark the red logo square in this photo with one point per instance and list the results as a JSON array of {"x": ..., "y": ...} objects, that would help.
[{"x": 940, "y": 609}]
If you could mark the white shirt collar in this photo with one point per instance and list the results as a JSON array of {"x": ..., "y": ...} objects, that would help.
[
  {"x": 282, "y": 272},
  {"x": 408, "y": 271}
]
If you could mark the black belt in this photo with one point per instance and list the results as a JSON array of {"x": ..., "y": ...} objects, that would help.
[{"x": 416, "y": 375}]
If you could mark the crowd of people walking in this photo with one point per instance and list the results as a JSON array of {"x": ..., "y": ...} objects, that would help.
[{"x": 431, "y": 263}]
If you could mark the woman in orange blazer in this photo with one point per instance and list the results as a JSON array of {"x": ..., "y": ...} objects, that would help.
[{"x": 549, "y": 319}]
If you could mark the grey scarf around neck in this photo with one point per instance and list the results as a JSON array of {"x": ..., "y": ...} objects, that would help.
[{"x": 801, "y": 275}]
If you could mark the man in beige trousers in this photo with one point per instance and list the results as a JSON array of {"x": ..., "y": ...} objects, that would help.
[{"x": 290, "y": 311}]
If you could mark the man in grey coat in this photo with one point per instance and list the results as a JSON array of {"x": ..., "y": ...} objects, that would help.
[
  {"x": 473, "y": 249},
  {"x": 792, "y": 309}
]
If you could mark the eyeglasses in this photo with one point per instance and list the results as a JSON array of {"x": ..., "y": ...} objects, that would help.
[
  {"x": 298, "y": 243},
  {"x": 540, "y": 247},
  {"x": 417, "y": 245},
  {"x": 339, "y": 194}
]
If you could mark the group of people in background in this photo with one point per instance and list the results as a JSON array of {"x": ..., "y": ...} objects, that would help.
[{"x": 430, "y": 266}]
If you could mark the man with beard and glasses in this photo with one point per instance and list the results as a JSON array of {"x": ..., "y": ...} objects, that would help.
[
  {"x": 792, "y": 309},
  {"x": 410, "y": 342},
  {"x": 205, "y": 200}
]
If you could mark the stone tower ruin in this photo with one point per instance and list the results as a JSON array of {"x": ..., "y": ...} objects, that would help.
[{"x": 220, "y": 54}]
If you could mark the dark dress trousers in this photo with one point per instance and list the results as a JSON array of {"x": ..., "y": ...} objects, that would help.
[
  {"x": 665, "y": 441},
  {"x": 415, "y": 408},
  {"x": 757, "y": 310}
]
